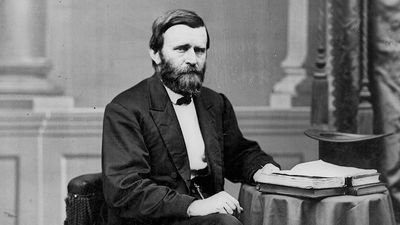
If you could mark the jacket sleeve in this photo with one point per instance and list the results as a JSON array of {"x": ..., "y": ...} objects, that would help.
[
  {"x": 242, "y": 157},
  {"x": 126, "y": 171}
]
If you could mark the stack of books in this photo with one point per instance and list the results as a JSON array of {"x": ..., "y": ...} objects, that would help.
[{"x": 318, "y": 179}]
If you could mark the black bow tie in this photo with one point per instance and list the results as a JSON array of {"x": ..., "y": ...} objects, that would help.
[{"x": 185, "y": 100}]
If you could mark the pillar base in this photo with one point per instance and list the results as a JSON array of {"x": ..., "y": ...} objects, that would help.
[
  {"x": 285, "y": 91},
  {"x": 26, "y": 76},
  {"x": 27, "y": 85}
]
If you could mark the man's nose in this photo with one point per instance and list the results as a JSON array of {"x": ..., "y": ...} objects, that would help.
[{"x": 191, "y": 57}]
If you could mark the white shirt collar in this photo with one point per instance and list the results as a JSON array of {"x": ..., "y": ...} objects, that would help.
[{"x": 172, "y": 95}]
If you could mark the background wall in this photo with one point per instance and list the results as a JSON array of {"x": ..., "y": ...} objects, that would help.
[{"x": 100, "y": 47}]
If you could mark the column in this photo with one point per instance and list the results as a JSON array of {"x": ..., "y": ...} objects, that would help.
[
  {"x": 293, "y": 64},
  {"x": 23, "y": 63}
]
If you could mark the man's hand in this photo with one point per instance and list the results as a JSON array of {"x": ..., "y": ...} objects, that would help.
[
  {"x": 267, "y": 169},
  {"x": 221, "y": 202}
]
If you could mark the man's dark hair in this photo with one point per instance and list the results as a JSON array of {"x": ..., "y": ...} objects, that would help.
[{"x": 172, "y": 18}]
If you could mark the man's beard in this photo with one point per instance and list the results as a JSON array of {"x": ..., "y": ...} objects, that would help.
[{"x": 187, "y": 81}]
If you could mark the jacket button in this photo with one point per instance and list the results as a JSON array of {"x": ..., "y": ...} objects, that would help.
[{"x": 174, "y": 175}]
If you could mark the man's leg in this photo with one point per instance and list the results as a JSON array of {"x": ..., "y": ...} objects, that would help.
[{"x": 212, "y": 219}]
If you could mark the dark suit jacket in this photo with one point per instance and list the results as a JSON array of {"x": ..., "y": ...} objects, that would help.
[{"x": 146, "y": 172}]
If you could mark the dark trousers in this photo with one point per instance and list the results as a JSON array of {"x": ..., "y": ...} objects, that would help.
[
  {"x": 212, "y": 219},
  {"x": 205, "y": 183}
]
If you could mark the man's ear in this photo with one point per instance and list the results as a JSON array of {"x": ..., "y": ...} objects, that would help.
[{"x": 155, "y": 56}]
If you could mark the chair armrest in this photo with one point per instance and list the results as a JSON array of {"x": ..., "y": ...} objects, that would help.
[
  {"x": 86, "y": 184},
  {"x": 85, "y": 200}
]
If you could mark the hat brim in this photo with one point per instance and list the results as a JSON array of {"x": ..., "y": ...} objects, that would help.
[{"x": 332, "y": 136}]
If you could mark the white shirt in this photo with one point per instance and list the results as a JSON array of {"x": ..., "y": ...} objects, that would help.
[{"x": 189, "y": 124}]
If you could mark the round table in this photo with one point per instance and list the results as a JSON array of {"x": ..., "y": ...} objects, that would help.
[{"x": 272, "y": 209}]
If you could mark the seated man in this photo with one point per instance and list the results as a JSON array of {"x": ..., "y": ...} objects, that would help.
[{"x": 168, "y": 142}]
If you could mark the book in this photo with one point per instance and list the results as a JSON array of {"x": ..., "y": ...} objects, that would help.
[
  {"x": 363, "y": 179},
  {"x": 322, "y": 193},
  {"x": 300, "y": 192},
  {"x": 366, "y": 189},
  {"x": 301, "y": 181},
  {"x": 319, "y": 174}
]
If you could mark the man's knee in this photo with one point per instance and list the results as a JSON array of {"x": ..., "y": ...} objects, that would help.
[{"x": 224, "y": 219}]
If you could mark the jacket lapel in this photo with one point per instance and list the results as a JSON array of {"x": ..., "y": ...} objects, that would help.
[{"x": 164, "y": 116}]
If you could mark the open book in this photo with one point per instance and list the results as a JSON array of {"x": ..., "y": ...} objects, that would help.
[{"x": 319, "y": 174}]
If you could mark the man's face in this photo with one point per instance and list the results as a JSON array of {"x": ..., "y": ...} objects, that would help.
[{"x": 183, "y": 59}]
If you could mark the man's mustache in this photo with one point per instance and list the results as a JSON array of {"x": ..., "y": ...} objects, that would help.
[{"x": 189, "y": 71}]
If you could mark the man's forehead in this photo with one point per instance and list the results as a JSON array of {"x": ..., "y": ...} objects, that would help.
[{"x": 183, "y": 34}]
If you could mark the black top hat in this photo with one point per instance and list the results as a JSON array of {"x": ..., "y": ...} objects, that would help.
[
  {"x": 332, "y": 136},
  {"x": 347, "y": 149}
]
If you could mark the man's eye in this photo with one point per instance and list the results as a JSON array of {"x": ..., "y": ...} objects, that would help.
[
  {"x": 181, "y": 48},
  {"x": 200, "y": 50}
]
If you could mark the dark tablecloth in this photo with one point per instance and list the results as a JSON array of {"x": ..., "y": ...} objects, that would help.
[{"x": 271, "y": 209}]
